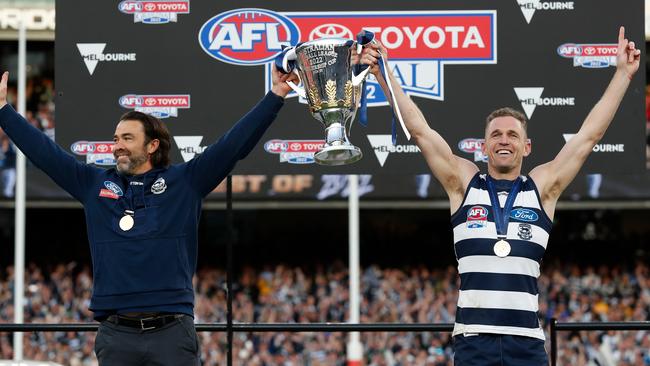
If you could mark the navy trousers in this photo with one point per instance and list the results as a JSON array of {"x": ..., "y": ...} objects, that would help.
[
  {"x": 175, "y": 344},
  {"x": 499, "y": 350}
]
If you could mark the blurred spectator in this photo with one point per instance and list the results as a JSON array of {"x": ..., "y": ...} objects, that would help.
[
  {"x": 7, "y": 166},
  {"x": 647, "y": 150},
  {"x": 280, "y": 294},
  {"x": 40, "y": 113},
  {"x": 647, "y": 126}
]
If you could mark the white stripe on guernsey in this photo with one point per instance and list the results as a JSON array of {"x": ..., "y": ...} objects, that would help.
[
  {"x": 460, "y": 329},
  {"x": 493, "y": 264},
  {"x": 462, "y": 232},
  {"x": 477, "y": 196},
  {"x": 498, "y": 300}
]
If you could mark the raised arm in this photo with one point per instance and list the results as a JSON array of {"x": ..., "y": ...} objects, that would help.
[
  {"x": 63, "y": 168},
  {"x": 207, "y": 170},
  {"x": 553, "y": 177},
  {"x": 453, "y": 172}
]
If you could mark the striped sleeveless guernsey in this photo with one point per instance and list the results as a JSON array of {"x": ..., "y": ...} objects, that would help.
[{"x": 499, "y": 295}]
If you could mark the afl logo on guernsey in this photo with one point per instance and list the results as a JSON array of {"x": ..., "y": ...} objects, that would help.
[
  {"x": 524, "y": 214},
  {"x": 477, "y": 217},
  {"x": 247, "y": 36}
]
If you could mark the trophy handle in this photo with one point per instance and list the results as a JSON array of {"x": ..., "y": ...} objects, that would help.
[
  {"x": 289, "y": 59},
  {"x": 364, "y": 38},
  {"x": 358, "y": 79},
  {"x": 300, "y": 91},
  {"x": 286, "y": 63}
]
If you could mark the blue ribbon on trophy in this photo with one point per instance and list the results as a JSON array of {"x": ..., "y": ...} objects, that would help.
[
  {"x": 332, "y": 89},
  {"x": 286, "y": 62},
  {"x": 364, "y": 38}
]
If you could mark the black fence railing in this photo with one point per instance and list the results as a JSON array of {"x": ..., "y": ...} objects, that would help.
[
  {"x": 250, "y": 327},
  {"x": 555, "y": 327}
]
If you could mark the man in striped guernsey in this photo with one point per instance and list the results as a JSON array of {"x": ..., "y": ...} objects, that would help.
[{"x": 502, "y": 219}]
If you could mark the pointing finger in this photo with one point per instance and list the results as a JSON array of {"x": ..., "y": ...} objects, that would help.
[{"x": 621, "y": 34}]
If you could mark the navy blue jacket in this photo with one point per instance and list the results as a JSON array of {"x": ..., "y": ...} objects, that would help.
[{"x": 150, "y": 267}]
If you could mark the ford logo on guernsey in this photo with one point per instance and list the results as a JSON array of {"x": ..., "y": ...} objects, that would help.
[
  {"x": 523, "y": 214},
  {"x": 113, "y": 187},
  {"x": 247, "y": 36}
]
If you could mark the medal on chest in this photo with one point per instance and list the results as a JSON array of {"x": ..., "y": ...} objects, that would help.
[
  {"x": 501, "y": 248},
  {"x": 502, "y": 216},
  {"x": 127, "y": 222}
]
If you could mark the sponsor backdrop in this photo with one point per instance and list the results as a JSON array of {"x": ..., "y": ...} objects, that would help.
[{"x": 201, "y": 65}]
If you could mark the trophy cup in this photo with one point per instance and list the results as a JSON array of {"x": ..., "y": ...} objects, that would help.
[{"x": 332, "y": 91}]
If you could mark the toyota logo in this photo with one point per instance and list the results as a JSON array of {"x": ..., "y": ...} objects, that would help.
[
  {"x": 330, "y": 30},
  {"x": 102, "y": 148}
]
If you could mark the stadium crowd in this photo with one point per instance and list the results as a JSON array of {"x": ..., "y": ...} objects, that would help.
[
  {"x": 39, "y": 112},
  {"x": 283, "y": 294}
]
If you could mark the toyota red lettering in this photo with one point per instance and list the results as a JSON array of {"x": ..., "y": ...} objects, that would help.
[
  {"x": 167, "y": 6},
  {"x": 571, "y": 50},
  {"x": 421, "y": 43},
  {"x": 167, "y": 101},
  {"x": 415, "y": 35},
  {"x": 160, "y": 106},
  {"x": 306, "y": 146}
]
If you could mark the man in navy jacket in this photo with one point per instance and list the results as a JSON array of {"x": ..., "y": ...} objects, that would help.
[{"x": 142, "y": 218}]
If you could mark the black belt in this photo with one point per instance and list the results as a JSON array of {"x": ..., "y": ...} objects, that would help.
[{"x": 147, "y": 323}]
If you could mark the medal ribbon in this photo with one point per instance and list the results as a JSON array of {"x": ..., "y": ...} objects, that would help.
[{"x": 502, "y": 216}]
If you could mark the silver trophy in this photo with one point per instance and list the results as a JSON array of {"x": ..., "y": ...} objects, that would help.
[{"x": 332, "y": 90}]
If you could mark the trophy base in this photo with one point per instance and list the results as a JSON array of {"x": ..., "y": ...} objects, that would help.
[{"x": 338, "y": 155}]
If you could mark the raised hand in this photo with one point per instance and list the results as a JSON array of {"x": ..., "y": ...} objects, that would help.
[
  {"x": 627, "y": 57},
  {"x": 371, "y": 54},
  {"x": 279, "y": 80}
]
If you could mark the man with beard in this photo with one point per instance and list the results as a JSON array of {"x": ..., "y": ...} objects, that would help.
[
  {"x": 501, "y": 220},
  {"x": 142, "y": 219}
]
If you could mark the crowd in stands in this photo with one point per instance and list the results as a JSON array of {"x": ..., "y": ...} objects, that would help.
[
  {"x": 283, "y": 294},
  {"x": 39, "y": 112}
]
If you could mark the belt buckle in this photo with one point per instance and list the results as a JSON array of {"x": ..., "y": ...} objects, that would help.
[{"x": 142, "y": 320}]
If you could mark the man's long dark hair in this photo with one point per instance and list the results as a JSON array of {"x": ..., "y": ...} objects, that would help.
[{"x": 153, "y": 129}]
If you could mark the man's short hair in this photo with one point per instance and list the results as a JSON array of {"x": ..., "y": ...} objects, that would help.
[
  {"x": 153, "y": 129},
  {"x": 508, "y": 112}
]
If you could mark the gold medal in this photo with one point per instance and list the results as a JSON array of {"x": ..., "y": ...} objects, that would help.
[
  {"x": 127, "y": 222},
  {"x": 502, "y": 215},
  {"x": 502, "y": 248}
]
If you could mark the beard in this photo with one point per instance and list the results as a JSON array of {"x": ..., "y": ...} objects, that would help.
[{"x": 132, "y": 164}]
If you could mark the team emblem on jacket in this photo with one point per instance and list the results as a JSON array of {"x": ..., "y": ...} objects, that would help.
[
  {"x": 525, "y": 231},
  {"x": 159, "y": 186},
  {"x": 113, "y": 187},
  {"x": 477, "y": 217}
]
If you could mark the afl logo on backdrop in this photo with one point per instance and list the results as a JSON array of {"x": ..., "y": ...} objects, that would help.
[{"x": 247, "y": 36}]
